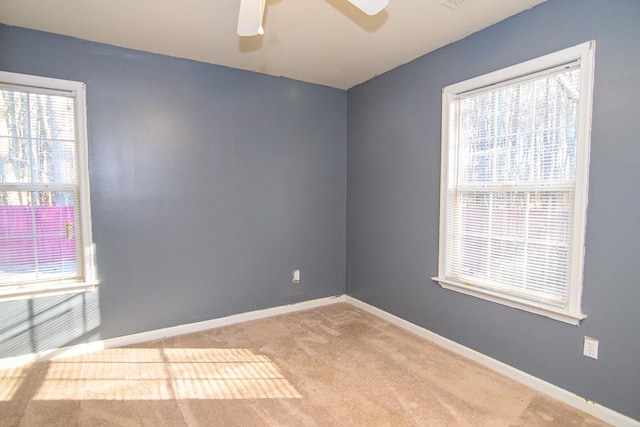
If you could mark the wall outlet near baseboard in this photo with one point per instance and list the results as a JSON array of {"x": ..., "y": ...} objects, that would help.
[
  {"x": 295, "y": 276},
  {"x": 590, "y": 348}
]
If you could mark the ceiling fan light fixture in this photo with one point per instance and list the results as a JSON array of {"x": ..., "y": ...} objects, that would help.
[
  {"x": 370, "y": 7},
  {"x": 252, "y": 13},
  {"x": 250, "y": 18}
]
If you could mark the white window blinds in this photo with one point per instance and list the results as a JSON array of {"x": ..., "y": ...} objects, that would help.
[
  {"x": 41, "y": 226},
  {"x": 515, "y": 190}
]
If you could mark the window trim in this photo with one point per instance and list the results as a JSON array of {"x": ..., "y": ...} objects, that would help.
[
  {"x": 584, "y": 54},
  {"x": 90, "y": 280}
]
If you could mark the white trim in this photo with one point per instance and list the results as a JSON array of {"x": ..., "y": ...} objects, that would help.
[
  {"x": 53, "y": 354},
  {"x": 39, "y": 82},
  {"x": 39, "y": 290},
  {"x": 82, "y": 140},
  {"x": 565, "y": 396},
  {"x": 583, "y": 155},
  {"x": 566, "y": 56},
  {"x": 592, "y": 408},
  {"x": 513, "y": 301}
]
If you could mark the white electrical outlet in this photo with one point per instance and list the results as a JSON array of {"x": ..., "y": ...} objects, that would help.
[
  {"x": 295, "y": 276},
  {"x": 590, "y": 348}
]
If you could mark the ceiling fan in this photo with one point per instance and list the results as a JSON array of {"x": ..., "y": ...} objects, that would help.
[{"x": 252, "y": 12}]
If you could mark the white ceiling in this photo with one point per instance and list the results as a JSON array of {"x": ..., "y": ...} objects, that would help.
[{"x": 328, "y": 42}]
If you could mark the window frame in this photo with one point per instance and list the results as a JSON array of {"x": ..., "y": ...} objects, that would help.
[
  {"x": 584, "y": 55},
  {"x": 89, "y": 279}
]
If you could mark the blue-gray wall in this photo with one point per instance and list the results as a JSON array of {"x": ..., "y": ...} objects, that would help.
[
  {"x": 209, "y": 185},
  {"x": 393, "y": 174}
]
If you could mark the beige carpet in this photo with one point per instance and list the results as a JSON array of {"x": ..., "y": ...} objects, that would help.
[{"x": 330, "y": 366}]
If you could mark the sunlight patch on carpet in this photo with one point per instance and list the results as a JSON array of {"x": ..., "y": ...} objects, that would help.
[
  {"x": 163, "y": 374},
  {"x": 10, "y": 382}
]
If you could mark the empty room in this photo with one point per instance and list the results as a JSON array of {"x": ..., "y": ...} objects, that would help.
[{"x": 319, "y": 212}]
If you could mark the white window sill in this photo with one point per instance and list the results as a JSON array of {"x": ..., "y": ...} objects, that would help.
[
  {"x": 565, "y": 316},
  {"x": 44, "y": 290}
]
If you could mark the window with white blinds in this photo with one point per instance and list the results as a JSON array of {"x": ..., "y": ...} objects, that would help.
[
  {"x": 515, "y": 156},
  {"x": 45, "y": 228}
]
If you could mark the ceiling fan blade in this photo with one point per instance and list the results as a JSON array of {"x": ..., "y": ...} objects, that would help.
[
  {"x": 250, "y": 17},
  {"x": 370, "y": 7}
]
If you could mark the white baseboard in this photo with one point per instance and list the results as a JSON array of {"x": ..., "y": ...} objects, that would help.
[
  {"x": 592, "y": 408},
  {"x": 42, "y": 356},
  {"x": 542, "y": 386}
]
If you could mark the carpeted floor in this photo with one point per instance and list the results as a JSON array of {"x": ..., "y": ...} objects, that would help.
[{"x": 329, "y": 366}]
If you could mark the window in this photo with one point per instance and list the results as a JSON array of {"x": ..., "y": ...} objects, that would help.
[
  {"x": 45, "y": 222},
  {"x": 515, "y": 158}
]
